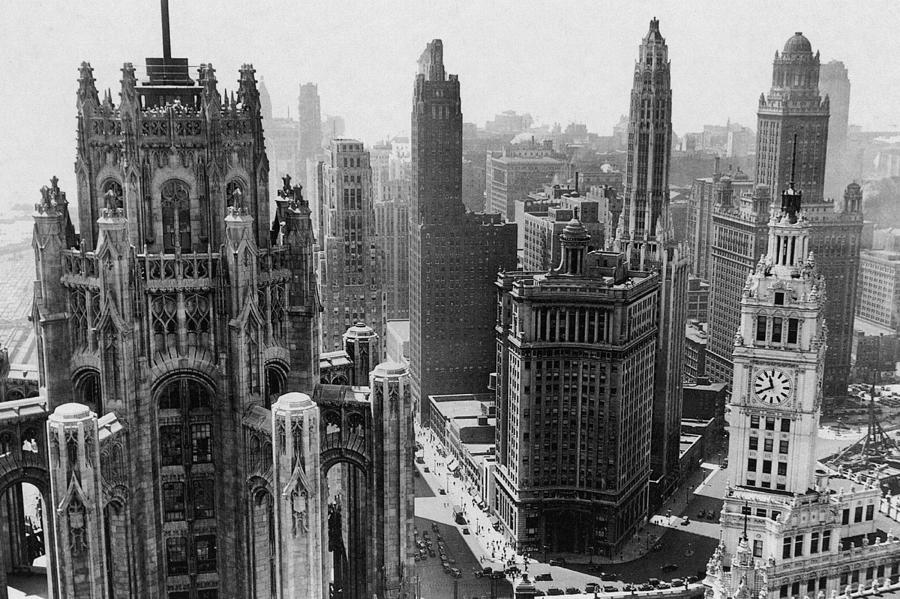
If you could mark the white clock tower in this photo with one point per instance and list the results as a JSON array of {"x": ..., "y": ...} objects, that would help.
[{"x": 778, "y": 353}]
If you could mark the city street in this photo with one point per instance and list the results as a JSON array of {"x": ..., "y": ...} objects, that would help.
[{"x": 664, "y": 541}]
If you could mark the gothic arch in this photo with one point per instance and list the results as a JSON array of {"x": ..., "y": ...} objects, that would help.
[{"x": 88, "y": 389}]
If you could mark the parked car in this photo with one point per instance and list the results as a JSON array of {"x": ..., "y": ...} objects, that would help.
[
  {"x": 558, "y": 562},
  {"x": 544, "y": 576},
  {"x": 645, "y": 587},
  {"x": 513, "y": 571},
  {"x": 685, "y": 521},
  {"x": 669, "y": 567},
  {"x": 654, "y": 582},
  {"x": 465, "y": 531},
  {"x": 591, "y": 587},
  {"x": 608, "y": 576},
  {"x": 479, "y": 572},
  {"x": 677, "y": 582},
  {"x": 442, "y": 491},
  {"x": 555, "y": 591},
  {"x": 455, "y": 573},
  {"x": 610, "y": 589},
  {"x": 692, "y": 579},
  {"x": 630, "y": 588},
  {"x": 664, "y": 585},
  {"x": 573, "y": 591}
]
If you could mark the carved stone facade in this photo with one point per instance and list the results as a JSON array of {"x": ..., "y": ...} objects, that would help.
[{"x": 166, "y": 330}]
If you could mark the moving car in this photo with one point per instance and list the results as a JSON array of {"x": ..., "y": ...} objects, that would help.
[
  {"x": 455, "y": 573},
  {"x": 669, "y": 567},
  {"x": 610, "y": 589}
]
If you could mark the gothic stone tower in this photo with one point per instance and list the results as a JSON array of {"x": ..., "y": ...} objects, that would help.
[
  {"x": 179, "y": 310},
  {"x": 644, "y": 234}
]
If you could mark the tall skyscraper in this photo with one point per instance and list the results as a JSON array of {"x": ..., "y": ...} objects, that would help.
[
  {"x": 834, "y": 82},
  {"x": 351, "y": 279},
  {"x": 706, "y": 194},
  {"x": 792, "y": 146},
  {"x": 309, "y": 114},
  {"x": 454, "y": 256},
  {"x": 787, "y": 527},
  {"x": 740, "y": 233},
  {"x": 392, "y": 237},
  {"x": 793, "y": 107},
  {"x": 643, "y": 232},
  {"x": 575, "y": 362}
]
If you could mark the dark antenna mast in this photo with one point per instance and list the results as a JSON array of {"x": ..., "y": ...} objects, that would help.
[
  {"x": 793, "y": 152},
  {"x": 167, "y": 44}
]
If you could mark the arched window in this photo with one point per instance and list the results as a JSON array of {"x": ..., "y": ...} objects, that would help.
[
  {"x": 88, "y": 390},
  {"x": 176, "y": 216},
  {"x": 117, "y": 193},
  {"x": 186, "y": 458},
  {"x": 234, "y": 184},
  {"x": 274, "y": 384}
]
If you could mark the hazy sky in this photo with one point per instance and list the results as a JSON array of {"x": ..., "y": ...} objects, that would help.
[{"x": 559, "y": 60}]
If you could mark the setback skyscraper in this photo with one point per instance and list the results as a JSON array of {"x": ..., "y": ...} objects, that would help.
[
  {"x": 792, "y": 145},
  {"x": 643, "y": 232},
  {"x": 453, "y": 256},
  {"x": 351, "y": 285}
]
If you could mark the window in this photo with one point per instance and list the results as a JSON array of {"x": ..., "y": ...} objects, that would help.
[
  {"x": 823, "y": 582},
  {"x": 757, "y": 548},
  {"x": 767, "y": 444},
  {"x": 201, "y": 452},
  {"x": 858, "y": 514},
  {"x": 760, "y": 512},
  {"x": 783, "y": 591},
  {"x": 170, "y": 445},
  {"x": 782, "y": 446},
  {"x": 845, "y": 516},
  {"x": 203, "y": 498},
  {"x": 779, "y": 298},
  {"x": 176, "y": 216},
  {"x": 173, "y": 501},
  {"x": 770, "y": 424},
  {"x": 767, "y": 466},
  {"x": 206, "y": 553},
  {"x": 870, "y": 512},
  {"x": 751, "y": 464},
  {"x": 775, "y": 514},
  {"x": 795, "y": 588},
  {"x": 814, "y": 543},
  {"x": 754, "y": 443},
  {"x": 792, "y": 330},
  {"x": 782, "y": 468},
  {"x": 754, "y": 422},
  {"x": 176, "y": 556},
  {"x": 208, "y": 594},
  {"x": 761, "y": 322},
  {"x": 786, "y": 548},
  {"x": 785, "y": 425},
  {"x": 776, "y": 330},
  {"x": 811, "y": 585},
  {"x": 826, "y": 540}
]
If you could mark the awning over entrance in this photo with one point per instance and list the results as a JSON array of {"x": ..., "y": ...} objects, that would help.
[{"x": 452, "y": 465}]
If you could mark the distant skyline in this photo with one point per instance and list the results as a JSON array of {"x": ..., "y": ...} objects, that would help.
[{"x": 568, "y": 61}]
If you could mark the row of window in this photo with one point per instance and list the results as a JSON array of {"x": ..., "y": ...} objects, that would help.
[
  {"x": 773, "y": 330},
  {"x": 178, "y": 552},
  {"x": 768, "y": 444},
  {"x": 766, "y": 467},
  {"x": 784, "y": 425},
  {"x": 858, "y": 514},
  {"x": 794, "y": 546}
]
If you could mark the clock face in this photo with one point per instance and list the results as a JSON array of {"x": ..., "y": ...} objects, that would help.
[{"x": 772, "y": 386}]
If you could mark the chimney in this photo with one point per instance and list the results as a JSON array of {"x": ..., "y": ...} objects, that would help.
[
  {"x": 716, "y": 171},
  {"x": 576, "y": 181}
]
